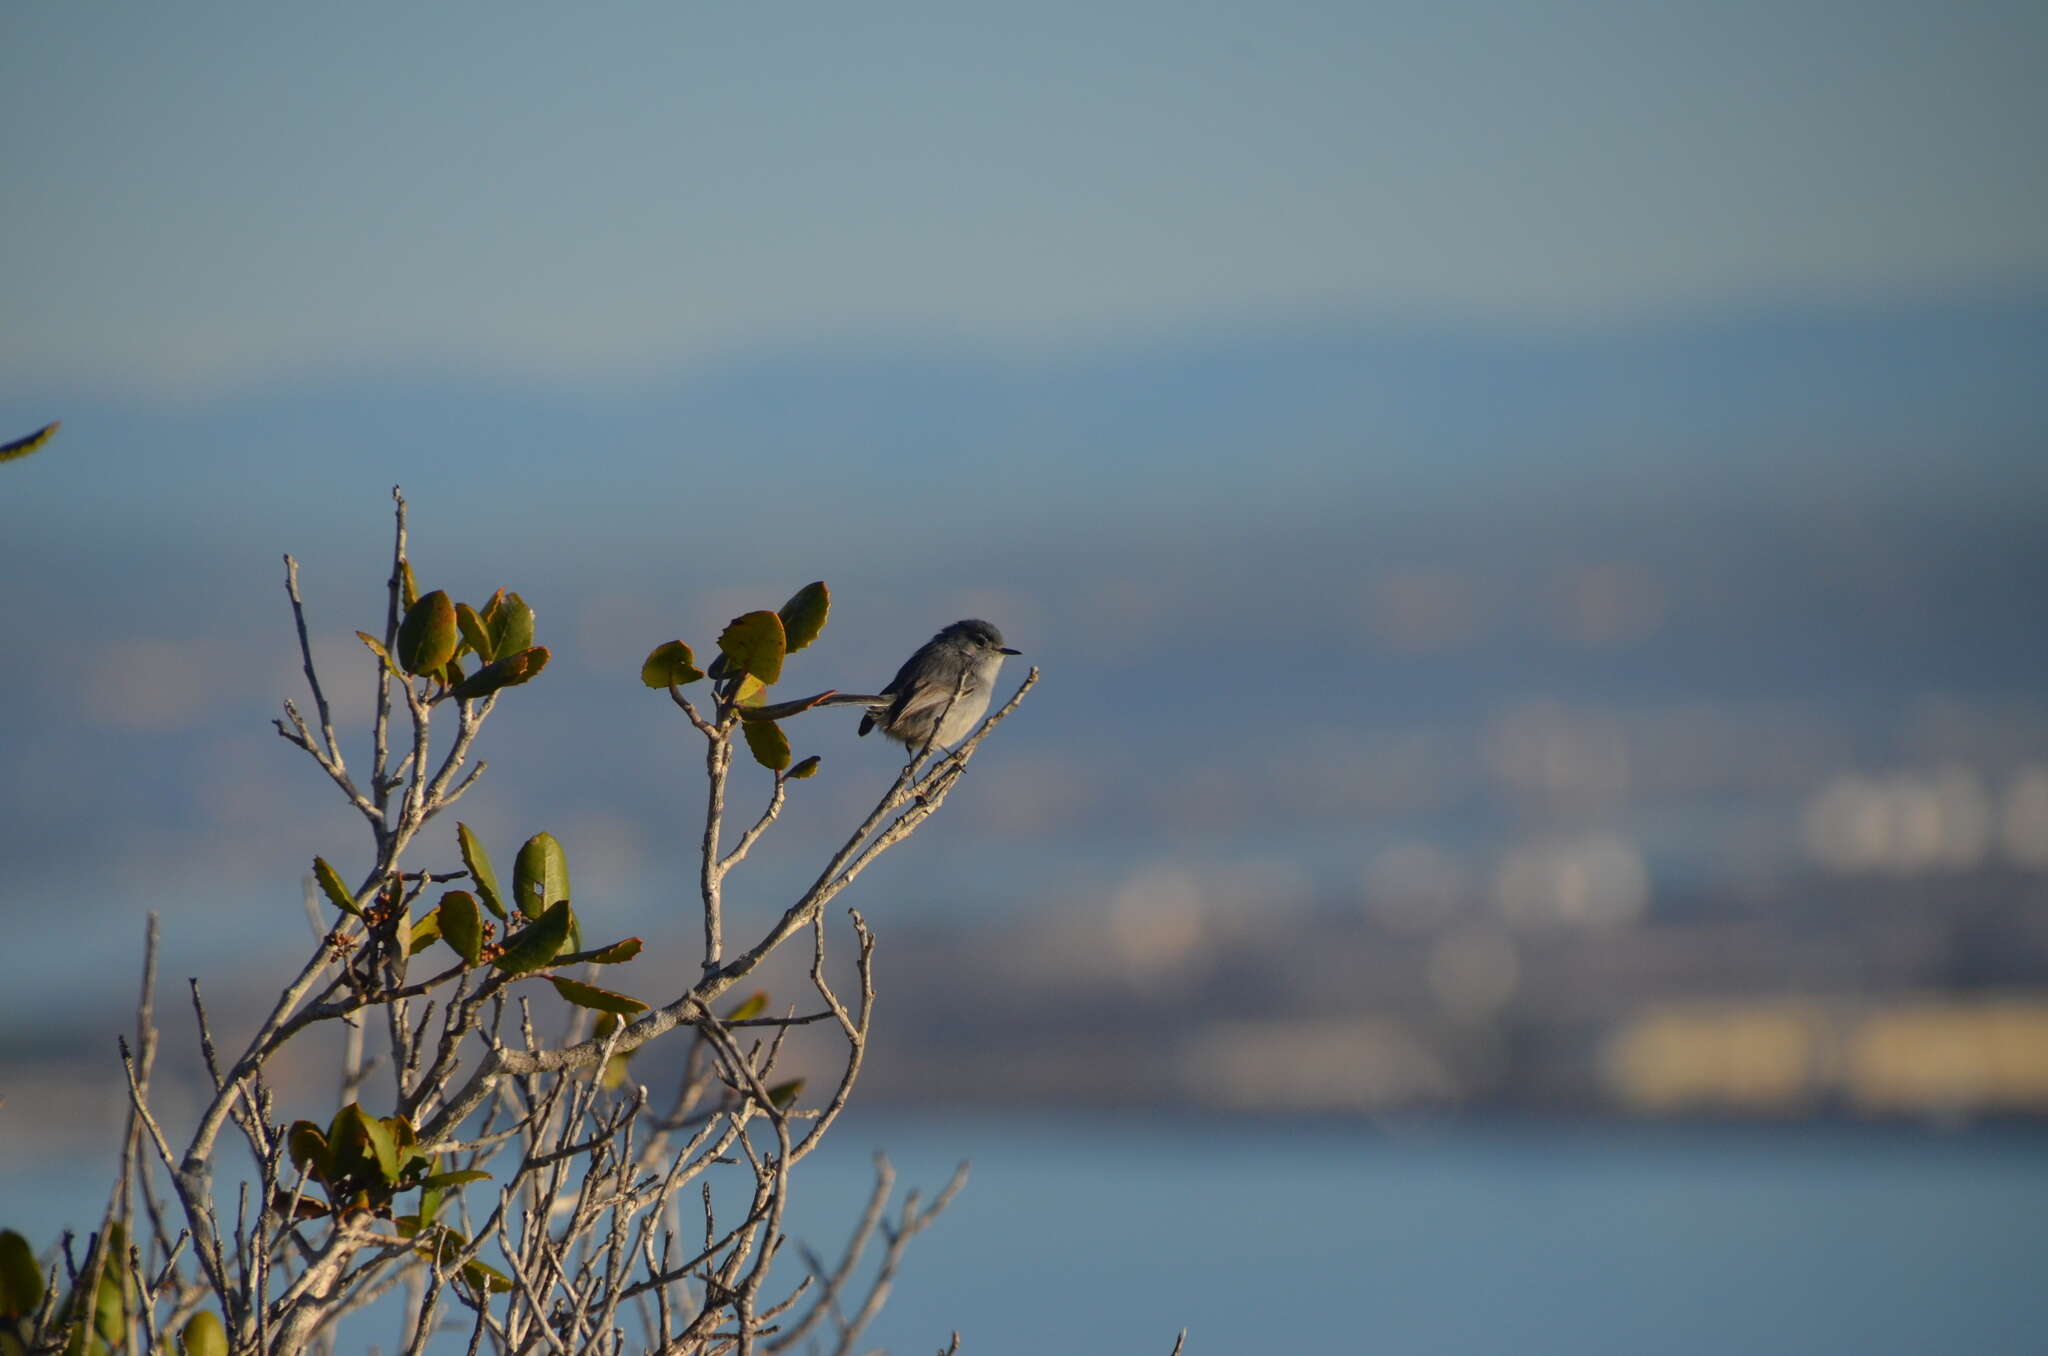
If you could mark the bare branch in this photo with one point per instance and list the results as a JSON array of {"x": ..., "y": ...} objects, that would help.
[
  {"x": 760, "y": 826},
  {"x": 909, "y": 1224},
  {"x": 586, "y": 1175},
  {"x": 717, "y": 764}
]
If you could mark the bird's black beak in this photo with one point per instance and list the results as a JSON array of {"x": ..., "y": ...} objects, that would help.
[{"x": 1006, "y": 650}]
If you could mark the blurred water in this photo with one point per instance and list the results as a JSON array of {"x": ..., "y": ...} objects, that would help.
[{"x": 1106, "y": 1234}]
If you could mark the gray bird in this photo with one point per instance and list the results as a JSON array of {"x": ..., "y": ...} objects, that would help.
[{"x": 942, "y": 691}]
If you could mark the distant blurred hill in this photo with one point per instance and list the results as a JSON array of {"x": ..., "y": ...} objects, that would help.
[{"x": 1807, "y": 403}]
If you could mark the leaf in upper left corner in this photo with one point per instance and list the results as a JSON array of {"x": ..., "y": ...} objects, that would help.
[{"x": 21, "y": 447}]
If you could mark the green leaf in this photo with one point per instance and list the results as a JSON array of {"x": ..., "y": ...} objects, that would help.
[
  {"x": 540, "y": 876},
  {"x": 536, "y": 945},
  {"x": 807, "y": 768},
  {"x": 428, "y": 636},
  {"x": 482, "y": 1277},
  {"x": 110, "y": 1310},
  {"x": 767, "y": 743},
  {"x": 755, "y": 1004},
  {"x": 803, "y": 616},
  {"x": 309, "y": 1150},
  {"x": 361, "y": 1140},
  {"x": 518, "y": 667},
  {"x": 412, "y": 1164},
  {"x": 377, "y": 648},
  {"x": 461, "y": 925},
  {"x": 590, "y": 996},
  {"x": 203, "y": 1335},
  {"x": 309, "y": 1207},
  {"x": 21, "y": 447},
  {"x": 382, "y": 1146},
  {"x": 511, "y": 625},
  {"x": 433, "y": 1194},
  {"x": 755, "y": 643},
  {"x": 401, "y": 927},
  {"x": 331, "y": 886},
  {"x": 21, "y": 1280},
  {"x": 782, "y": 1094},
  {"x": 479, "y": 867},
  {"x": 670, "y": 662},
  {"x": 348, "y": 1142},
  {"x": 426, "y": 930},
  {"x": 616, "y": 952},
  {"x": 474, "y": 633},
  {"x": 749, "y": 690},
  {"x": 408, "y": 585}
]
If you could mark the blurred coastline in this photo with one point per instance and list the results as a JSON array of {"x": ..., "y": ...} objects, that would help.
[{"x": 1669, "y": 768}]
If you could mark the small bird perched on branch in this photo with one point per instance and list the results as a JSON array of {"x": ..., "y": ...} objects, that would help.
[{"x": 942, "y": 690}]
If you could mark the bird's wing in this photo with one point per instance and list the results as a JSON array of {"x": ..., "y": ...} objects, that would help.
[{"x": 931, "y": 698}]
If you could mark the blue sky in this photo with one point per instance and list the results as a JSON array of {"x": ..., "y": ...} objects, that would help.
[{"x": 207, "y": 196}]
